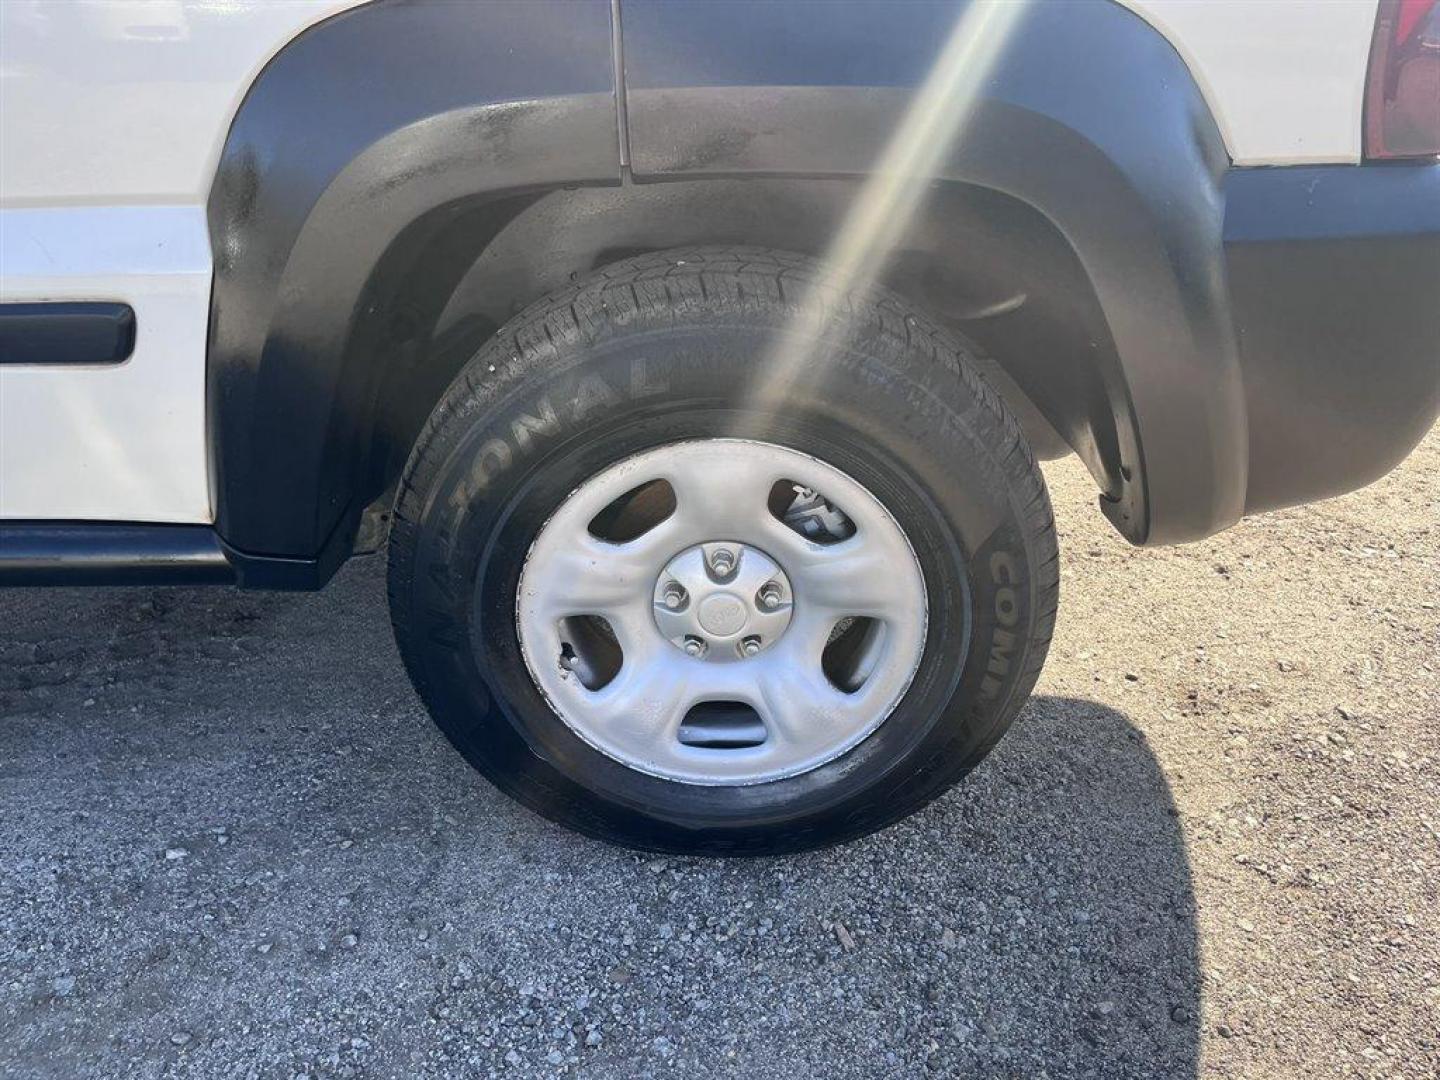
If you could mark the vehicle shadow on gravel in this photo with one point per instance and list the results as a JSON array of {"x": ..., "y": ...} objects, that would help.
[{"x": 230, "y": 840}]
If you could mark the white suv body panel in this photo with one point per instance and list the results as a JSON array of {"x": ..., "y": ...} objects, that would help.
[
  {"x": 1284, "y": 78},
  {"x": 120, "y": 441},
  {"x": 112, "y": 117},
  {"x": 129, "y": 101}
]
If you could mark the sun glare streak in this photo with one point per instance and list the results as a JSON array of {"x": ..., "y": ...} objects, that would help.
[{"x": 891, "y": 195}]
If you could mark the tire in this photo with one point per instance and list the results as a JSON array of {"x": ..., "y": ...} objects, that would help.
[{"x": 660, "y": 351}]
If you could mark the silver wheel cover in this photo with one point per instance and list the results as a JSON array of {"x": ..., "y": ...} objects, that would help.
[{"x": 721, "y": 489}]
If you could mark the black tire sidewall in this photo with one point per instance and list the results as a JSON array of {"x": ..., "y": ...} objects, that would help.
[{"x": 911, "y": 433}]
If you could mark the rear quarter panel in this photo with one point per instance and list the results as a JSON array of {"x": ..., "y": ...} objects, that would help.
[{"x": 1284, "y": 78}]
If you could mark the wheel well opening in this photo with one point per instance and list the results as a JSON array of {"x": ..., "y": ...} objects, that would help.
[{"x": 977, "y": 261}]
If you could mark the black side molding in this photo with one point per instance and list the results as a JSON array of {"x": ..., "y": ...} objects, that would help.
[
  {"x": 106, "y": 553},
  {"x": 139, "y": 553},
  {"x": 66, "y": 333}
]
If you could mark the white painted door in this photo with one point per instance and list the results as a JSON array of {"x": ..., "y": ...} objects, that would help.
[{"x": 112, "y": 117}]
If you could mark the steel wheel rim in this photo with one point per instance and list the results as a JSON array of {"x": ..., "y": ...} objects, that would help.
[{"x": 722, "y": 491}]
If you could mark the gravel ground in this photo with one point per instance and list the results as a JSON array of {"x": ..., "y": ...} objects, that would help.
[{"x": 231, "y": 844}]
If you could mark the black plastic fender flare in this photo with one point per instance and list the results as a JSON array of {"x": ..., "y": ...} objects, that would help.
[
  {"x": 1091, "y": 117},
  {"x": 363, "y": 142},
  {"x": 381, "y": 133}
]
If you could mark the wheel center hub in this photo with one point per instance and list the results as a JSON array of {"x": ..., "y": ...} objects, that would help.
[
  {"x": 722, "y": 601},
  {"x": 722, "y": 614}
]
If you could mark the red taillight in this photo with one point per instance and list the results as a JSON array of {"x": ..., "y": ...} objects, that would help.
[{"x": 1402, "y": 95}]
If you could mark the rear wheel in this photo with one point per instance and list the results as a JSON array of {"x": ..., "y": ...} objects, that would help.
[{"x": 668, "y": 612}]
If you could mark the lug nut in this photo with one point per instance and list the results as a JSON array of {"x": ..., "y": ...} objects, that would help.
[
  {"x": 722, "y": 562},
  {"x": 674, "y": 597},
  {"x": 694, "y": 646},
  {"x": 770, "y": 595},
  {"x": 749, "y": 646}
]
